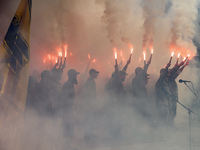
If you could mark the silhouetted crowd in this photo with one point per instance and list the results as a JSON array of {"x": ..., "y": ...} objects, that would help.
[{"x": 49, "y": 99}]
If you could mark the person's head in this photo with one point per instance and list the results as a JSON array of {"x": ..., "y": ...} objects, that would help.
[
  {"x": 93, "y": 73},
  {"x": 72, "y": 75},
  {"x": 46, "y": 75},
  {"x": 163, "y": 72},
  {"x": 138, "y": 70},
  {"x": 122, "y": 75}
]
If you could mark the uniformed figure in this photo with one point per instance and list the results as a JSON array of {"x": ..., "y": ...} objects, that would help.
[
  {"x": 90, "y": 85},
  {"x": 174, "y": 88},
  {"x": 89, "y": 106},
  {"x": 67, "y": 98},
  {"x": 163, "y": 97},
  {"x": 56, "y": 85},
  {"x": 139, "y": 90},
  {"x": 45, "y": 94}
]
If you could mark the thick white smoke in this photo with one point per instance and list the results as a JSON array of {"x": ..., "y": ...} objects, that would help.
[{"x": 95, "y": 27}]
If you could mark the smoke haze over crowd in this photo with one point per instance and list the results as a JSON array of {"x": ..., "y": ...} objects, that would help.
[{"x": 95, "y": 27}]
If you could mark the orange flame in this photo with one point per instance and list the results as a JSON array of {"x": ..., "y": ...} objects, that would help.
[
  {"x": 172, "y": 54},
  {"x": 179, "y": 55},
  {"x": 94, "y": 60},
  {"x": 131, "y": 50},
  {"x": 88, "y": 56},
  {"x": 115, "y": 55},
  {"x": 65, "y": 53},
  {"x": 144, "y": 54},
  {"x": 152, "y": 51},
  {"x": 60, "y": 54}
]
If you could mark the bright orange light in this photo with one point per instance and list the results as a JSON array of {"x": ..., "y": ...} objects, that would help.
[
  {"x": 152, "y": 51},
  {"x": 115, "y": 55},
  {"x": 184, "y": 58},
  {"x": 172, "y": 54},
  {"x": 179, "y": 55},
  {"x": 49, "y": 56},
  {"x": 144, "y": 54},
  {"x": 88, "y": 56},
  {"x": 131, "y": 50},
  {"x": 65, "y": 53},
  {"x": 188, "y": 55},
  {"x": 60, "y": 54},
  {"x": 94, "y": 60}
]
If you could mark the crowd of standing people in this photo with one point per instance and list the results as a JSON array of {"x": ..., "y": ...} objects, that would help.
[{"x": 50, "y": 99}]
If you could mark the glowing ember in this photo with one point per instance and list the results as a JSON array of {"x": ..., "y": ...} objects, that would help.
[
  {"x": 88, "y": 56},
  {"x": 179, "y": 55},
  {"x": 172, "y": 54},
  {"x": 144, "y": 54},
  {"x": 60, "y": 54},
  {"x": 94, "y": 60},
  {"x": 131, "y": 50},
  {"x": 152, "y": 51},
  {"x": 115, "y": 55},
  {"x": 65, "y": 53}
]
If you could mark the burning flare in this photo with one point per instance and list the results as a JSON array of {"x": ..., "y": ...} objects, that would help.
[
  {"x": 179, "y": 55},
  {"x": 172, "y": 54},
  {"x": 115, "y": 55},
  {"x": 144, "y": 54},
  {"x": 152, "y": 51}
]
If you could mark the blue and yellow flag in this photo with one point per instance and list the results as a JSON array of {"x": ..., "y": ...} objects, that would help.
[{"x": 14, "y": 65}]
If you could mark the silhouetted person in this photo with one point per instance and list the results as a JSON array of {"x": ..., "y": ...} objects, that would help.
[
  {"x": 45, "y": 94},
  {"x": 32, "y": 97},
  {"x": 90, "y": 85},
  {"x": 56, "y": 85},
  {"x": 139, "y": 91},
  {"x": 89, "y": 106},
  {"x": 163, "y": 97},
  {"x": 68, "y": 97},
  {"x": 173, "y": 74}
]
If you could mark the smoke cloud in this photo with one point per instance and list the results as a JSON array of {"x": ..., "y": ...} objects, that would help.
[{"x": 95, "y": 28}]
